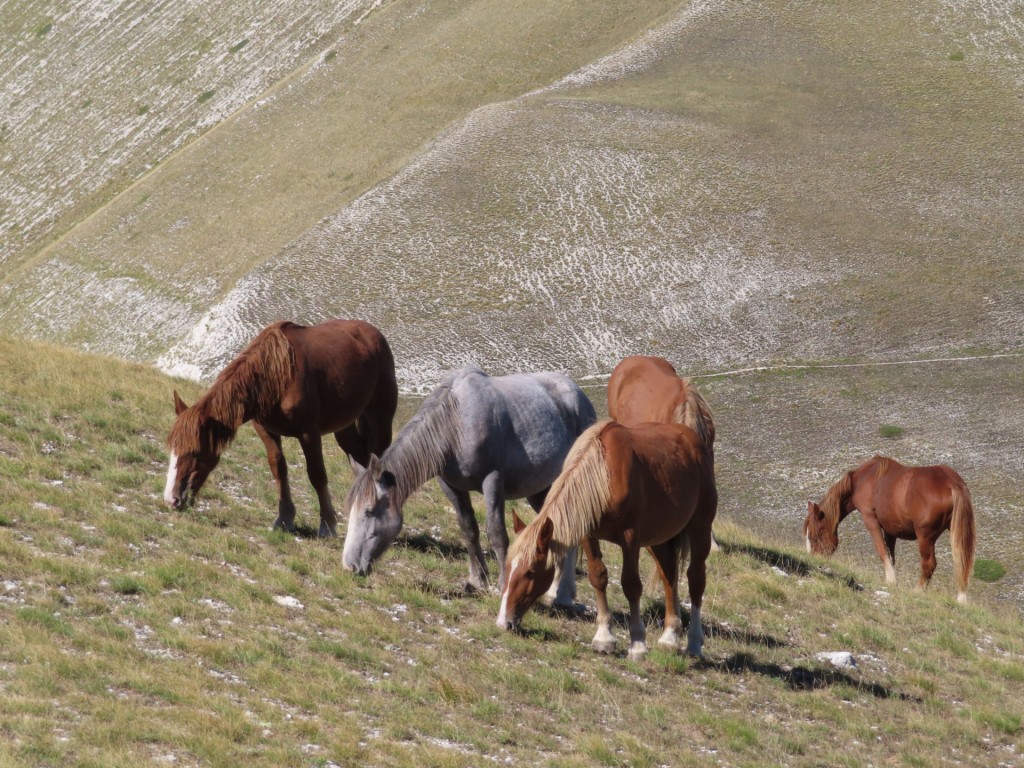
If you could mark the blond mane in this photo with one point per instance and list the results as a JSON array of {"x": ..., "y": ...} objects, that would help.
[
  {"x": 577, "y": 500},
  {"x": 247, "y": 388}
]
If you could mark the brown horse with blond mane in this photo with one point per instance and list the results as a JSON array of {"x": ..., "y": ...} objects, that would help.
[
  {"x": 291, "y": 381},
  {"x": 899, "y": 502},
  {"x": 650, "y": 486}
]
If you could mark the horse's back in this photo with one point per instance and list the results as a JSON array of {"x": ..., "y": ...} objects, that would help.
[
  {"x": 522, "y": 425},
  {"x": 644, "y": 388},
  {"x": 342, "y": 368},
  {"x": 663, "y": 472},
  {"x": 909, "y": 497}
]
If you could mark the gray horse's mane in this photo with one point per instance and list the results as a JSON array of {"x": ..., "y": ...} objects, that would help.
[{"x": 419, "y": 451}]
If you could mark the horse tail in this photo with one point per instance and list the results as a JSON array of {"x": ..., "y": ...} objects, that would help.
[
  {"x": 962, "y": 535},
  {"x": 695, "y": 413}
]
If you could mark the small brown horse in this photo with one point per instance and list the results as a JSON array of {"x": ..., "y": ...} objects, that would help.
[
  {"x": 291, "y": 381},
  {"x": 648, "y": 486},
  {"x": 643, "y": 388},
  {"x": 899, "y": 502}
]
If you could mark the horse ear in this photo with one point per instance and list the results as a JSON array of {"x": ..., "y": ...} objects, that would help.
[
  {"x": 357, "y": 468},
  {"x": 517, "y": 523},
  {"x": 547, "y": 531},
  {"x": 374, "y": 467},
  {"x": 179, "y": 404}
]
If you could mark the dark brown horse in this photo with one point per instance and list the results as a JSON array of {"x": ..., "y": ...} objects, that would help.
[
  {"x": 648, "y": 486},
  {"x": 898, "y": 502},
  {"x": 291, "y": 381}
]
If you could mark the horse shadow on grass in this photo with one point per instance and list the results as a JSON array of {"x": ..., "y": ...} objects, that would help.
[
  {"x": 800, "y": 678},
  {"x": 794, "y": 566},
  {"x": 427, "y": 544}
]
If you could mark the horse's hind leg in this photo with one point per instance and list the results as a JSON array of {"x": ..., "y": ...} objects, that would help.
[
  {"x": 470, "y": 534},
  {"x": 312, "y": 446},
  {"x": 667, "y": 559},
  {"x": 696, "y": 576},
  {"x": 279, "y": 469},
  {"x": 604, "y": 640}
]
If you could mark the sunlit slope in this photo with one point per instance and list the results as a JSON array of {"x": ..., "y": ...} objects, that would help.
[
  {"x": 137, "y": 276},
  {"x": 558, "y": 185},
  {"x": 93, "y": 95},
  {"x": 743, "y": 182}
]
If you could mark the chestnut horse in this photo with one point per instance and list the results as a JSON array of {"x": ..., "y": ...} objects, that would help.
[
  {"x": 291, "y": 381},
  {"x": 650, "y": 486},
  {"x": 899, "y": 502},
  {"x": 643, "y": 388}
]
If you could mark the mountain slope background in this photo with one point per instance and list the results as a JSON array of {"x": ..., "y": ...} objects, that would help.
[
  {"x": 526, "y": 185},
  {"x": 554, "y": 185}
]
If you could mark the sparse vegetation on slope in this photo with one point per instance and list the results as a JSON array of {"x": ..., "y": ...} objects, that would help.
[{"x": 132, "y": 635}]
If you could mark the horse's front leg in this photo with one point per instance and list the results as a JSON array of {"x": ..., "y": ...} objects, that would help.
[
  {"x": 633, "y": 588},
  {"x": 562, "y": 592},
  {"x": 878, "y": 537},
  {"x": 497, "y": 536},
  {"x": 279, "y": 469},
  {"x": 926, "y": 546},
  {"x": 470, "y": 534},
  {"x": 312, "y": 447},
  {"x": 604, "y": 640}
]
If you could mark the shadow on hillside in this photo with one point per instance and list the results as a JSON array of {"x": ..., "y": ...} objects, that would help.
[
  {"x": 791, "y": 565},
  {"x": 422, "y": 542},
  {"x": 803, "y": 678},
  {"x": 653, "y": 614}
]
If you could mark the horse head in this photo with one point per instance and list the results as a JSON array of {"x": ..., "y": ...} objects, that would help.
[
  {"x": 821, "y": 538},
  {"x": 529, "y": 572},
  {"x": 195, "y": 450},
  {"x": 374, "y": 517}
]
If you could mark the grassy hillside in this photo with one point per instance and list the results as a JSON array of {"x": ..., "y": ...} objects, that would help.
[
  {"x": 543, "y": 184},
  {"x": 132, "y": 635}
]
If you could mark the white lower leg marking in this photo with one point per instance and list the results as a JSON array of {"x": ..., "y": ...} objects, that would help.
[
  {"x": 172, "y": 475},
  {"x": 502, "y": 611}
]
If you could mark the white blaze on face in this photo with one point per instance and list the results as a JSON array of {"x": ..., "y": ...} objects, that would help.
[
  {"x": 807, "y": 538},
  {"x": 172, "y": 474},
  {"x": 504, "y": 598}
]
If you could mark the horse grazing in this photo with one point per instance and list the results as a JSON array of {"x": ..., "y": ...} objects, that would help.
[
  {"x": 291, "y": 381},
  {"x": 899, "y": 502},
  {"x": 650, "y": 486},
  {"x": 504, "y": 436},
  {"x": 643, "y": 389}
]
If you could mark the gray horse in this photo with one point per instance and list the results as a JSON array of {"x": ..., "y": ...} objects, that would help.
[{"x": 504, "y": 436}]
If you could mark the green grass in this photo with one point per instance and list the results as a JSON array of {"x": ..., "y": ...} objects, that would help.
[
  {"x": 890, "y": 431},
  {"x": 133, "y": 634},
  {"x": 988, "y": 570}
]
